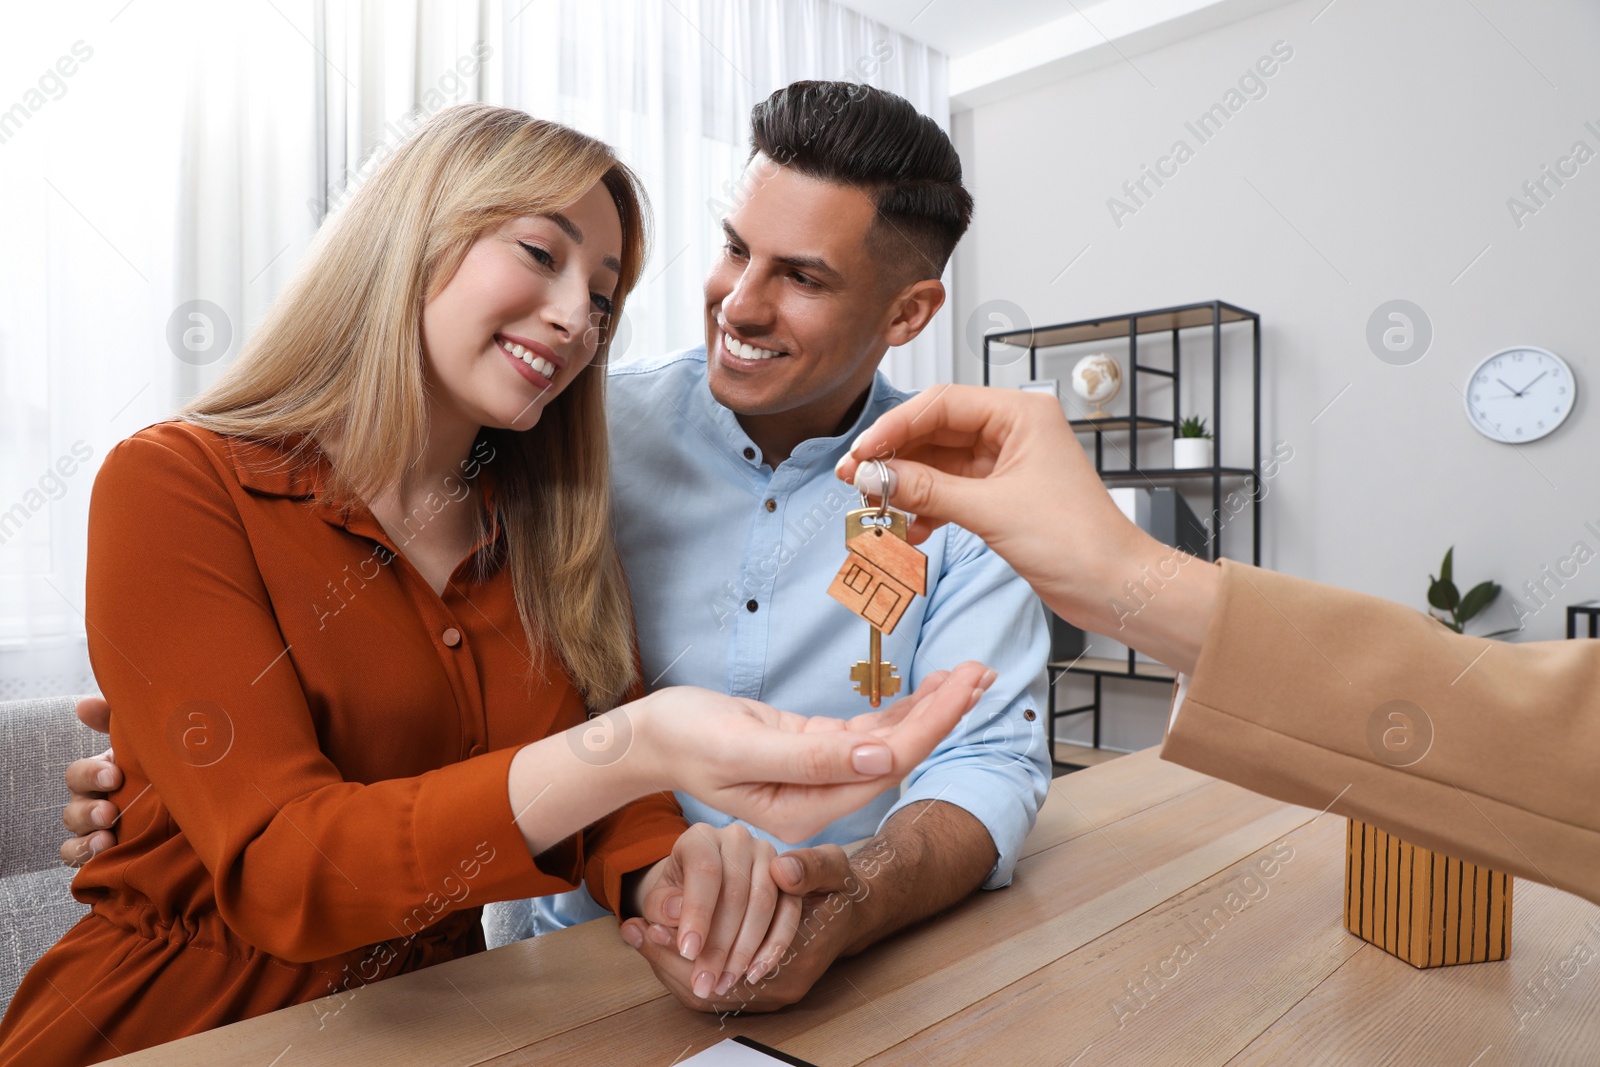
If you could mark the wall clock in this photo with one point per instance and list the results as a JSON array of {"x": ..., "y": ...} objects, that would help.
[{"x": 1520, "y": 394}]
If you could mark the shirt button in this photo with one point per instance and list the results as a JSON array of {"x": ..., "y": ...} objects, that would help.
[
  {"x": 451, "y": 637},
  {"x": 751, "y": 605},
  {"x": 477, "y": 750},
  {"x": 749, "y": 453},
  {"x": 772, "y": 505},
  {"x": 1030, "y": 715}
]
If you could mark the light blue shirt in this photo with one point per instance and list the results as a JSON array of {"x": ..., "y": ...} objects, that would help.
[{"x": 732, "y": 596}]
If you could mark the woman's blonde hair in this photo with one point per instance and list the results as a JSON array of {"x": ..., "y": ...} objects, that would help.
[{"x": 340, "y": 356}]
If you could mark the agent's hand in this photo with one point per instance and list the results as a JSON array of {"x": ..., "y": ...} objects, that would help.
[
  {"x": 714, "y": 902},
  {"x": 89, "y": 816},
  {"x": 792, "y": 775},
  {"x": 1007, "y": 466}
]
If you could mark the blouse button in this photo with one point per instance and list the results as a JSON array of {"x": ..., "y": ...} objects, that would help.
[
  {"x": 451, "y": 637},
  {"x": 749, "y": 453},
  {"x": 772, "y": 505}
]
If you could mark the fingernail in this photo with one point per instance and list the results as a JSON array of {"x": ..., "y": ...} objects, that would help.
[
  {"x": 988, "y": 678},
  {"x": 702, "y": 984},
  {"x": 673, "y": 907},
  {"x": 632, "y": 936},
  {"x": 868, "y": 481},
  {"x": 872, "y": 759},
  {"x": 757, "y": 971},
  {"x": 838, "y": 468},
  {"x": 859, "y": 437},
  {"x": 105, "y": 778},
  {"x": 98, "y": 817},
  {"x": 689, "y": 950},
  {"x": 791, "y": 866},
  {"x": 728, "y": 978},
  {"x": 977, "y": 695},
  {"x": 661, "y": 935}
]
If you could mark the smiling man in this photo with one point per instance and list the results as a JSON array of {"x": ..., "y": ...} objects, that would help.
[
  {"x": 731, "y": 523},
  {"x": 731, "y": 526}
]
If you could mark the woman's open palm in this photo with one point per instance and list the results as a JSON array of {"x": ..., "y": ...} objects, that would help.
[{"x": 792, "y": 775}]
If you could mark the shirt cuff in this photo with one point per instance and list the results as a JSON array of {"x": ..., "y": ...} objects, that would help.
[
  {"x": 1178, "y": 694},
  {"x": 605, "y": 873},
  {"x": 1000, "y": 809},
  {"x": 462, "y": 822}
]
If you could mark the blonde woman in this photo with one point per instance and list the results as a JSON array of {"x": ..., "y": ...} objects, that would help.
[{"x": 356, "y": 606}]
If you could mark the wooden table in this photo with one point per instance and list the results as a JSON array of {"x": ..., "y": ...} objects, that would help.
[{"x": 1157, "y": 916}]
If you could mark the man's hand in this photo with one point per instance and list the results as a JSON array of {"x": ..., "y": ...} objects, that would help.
[
  {"x": 828, "y": 929},
  {"x": 716, "y": 908},
  {"x": 89, "y": 815}
]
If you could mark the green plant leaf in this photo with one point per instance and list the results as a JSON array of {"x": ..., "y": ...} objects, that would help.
[
  {"x": 1442, "y": 594},
  {"x": 1444, "y": 568},
  {"x": 1497, "y": 633},
  {"x": 1477, "y": 598}
]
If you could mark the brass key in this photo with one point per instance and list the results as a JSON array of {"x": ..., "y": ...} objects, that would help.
[{"x": 874, "y": 678}]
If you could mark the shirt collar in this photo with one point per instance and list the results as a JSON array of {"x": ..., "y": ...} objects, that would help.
[
  {"x": 881, "y": 396},
  {"x": 295, "y": 467}
]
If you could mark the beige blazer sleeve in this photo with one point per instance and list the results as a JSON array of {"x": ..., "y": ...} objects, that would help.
[{"x": 1494, "y": 757}]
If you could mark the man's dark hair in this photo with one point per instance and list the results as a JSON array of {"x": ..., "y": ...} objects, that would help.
[{"x": 873, "y": 140}]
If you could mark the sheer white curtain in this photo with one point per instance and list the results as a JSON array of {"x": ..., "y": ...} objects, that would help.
[{"x": 164, "y": 167}]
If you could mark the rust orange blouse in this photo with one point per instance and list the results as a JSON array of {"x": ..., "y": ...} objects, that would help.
[{"x": 316, "y": 748}]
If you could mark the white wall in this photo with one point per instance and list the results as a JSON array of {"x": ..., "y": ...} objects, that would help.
[{"x": 1377, "y": 165}]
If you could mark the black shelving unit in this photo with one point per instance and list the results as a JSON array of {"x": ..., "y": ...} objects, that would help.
[
  {"x": 1590, "y": 610},
  {"x": 1211, "y": 316}
]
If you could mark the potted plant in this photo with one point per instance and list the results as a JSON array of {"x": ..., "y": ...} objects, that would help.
[
  {"x": 1444, "y": 597},
  {"x": 1192, "y": 447}
]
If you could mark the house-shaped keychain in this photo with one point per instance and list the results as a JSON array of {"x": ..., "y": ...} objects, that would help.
[{"x": 879, "y": 577}]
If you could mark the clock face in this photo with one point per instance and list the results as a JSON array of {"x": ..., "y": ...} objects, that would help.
[{"x": 1520, "y": 394}]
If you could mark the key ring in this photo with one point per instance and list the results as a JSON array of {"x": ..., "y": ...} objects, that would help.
[{"x": 883, "y": 482}]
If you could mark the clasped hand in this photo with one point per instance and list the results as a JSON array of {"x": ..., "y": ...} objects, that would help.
[{"x": 714, "y": 901}]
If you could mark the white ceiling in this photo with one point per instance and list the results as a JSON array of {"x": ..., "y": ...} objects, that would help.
[
  {"x": 956, "y": 27},
  {"x": 1001, "y": 47}
]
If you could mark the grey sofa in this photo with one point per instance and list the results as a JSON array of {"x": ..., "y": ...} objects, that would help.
[{"x": 38, "y": 738}]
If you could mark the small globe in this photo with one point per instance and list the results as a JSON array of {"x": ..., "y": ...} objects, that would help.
[{"x": 1097, "y": 379}]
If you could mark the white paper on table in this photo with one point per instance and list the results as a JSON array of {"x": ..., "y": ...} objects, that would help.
[{"x": 729, "y": 1053}]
